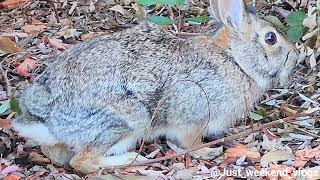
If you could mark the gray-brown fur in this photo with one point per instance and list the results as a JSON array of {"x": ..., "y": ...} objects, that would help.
[{"x": 100, "y": 92}]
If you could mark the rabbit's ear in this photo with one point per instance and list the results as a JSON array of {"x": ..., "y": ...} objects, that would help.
[{"x": 232, "y": 13}]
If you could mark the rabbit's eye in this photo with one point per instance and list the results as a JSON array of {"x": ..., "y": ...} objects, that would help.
[{"x": 270, "y": 38}]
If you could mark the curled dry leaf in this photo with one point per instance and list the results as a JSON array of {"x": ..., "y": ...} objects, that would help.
[
  {"x": 303, "y": 156},
  {"x": 11, "y": 4},
  {"x": 275, "y": 156},
  {"x": 30, "y": 28},
  {"x": 26, "y": 67},
  {"x": 240, "y": 150},
  {"x": 269, "y": 134},
  {"x": 7, "y": 46},
  {"x": 287, "y": 111},
  {"x": 56, "y": 43}
]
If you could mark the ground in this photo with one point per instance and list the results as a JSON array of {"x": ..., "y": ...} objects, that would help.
[{"x": 281, "y": 134}]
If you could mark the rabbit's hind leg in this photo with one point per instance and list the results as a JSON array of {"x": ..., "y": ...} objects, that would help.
[
  {"x": 88, "y": 160},
  {"x": 58, "y": 154}
]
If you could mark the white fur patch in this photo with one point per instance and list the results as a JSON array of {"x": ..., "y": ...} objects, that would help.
[
  {"x": 124, "y": 145},
  {"x": 37, "y": 132},
  {"x": 122, "y": 159}
]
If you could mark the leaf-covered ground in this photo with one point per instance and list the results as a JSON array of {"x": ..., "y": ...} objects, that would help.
[{"x": 282, "y": 134}]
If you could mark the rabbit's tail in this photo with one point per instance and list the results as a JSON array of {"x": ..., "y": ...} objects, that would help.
[
  {"x": 34, "y": 104},
  {"x": 33, "y": 127}
]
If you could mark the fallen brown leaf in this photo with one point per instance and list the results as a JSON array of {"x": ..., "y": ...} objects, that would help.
[
  {"x": 7, "y": 46},
  {"x": 12, "y": 177},
  {"x": 303, "y": 156},
  {"x": 11, "y": 4},
  {"x": 287, "y": 111},
  {"x": 240, "y": 150},
  {"x": 26, "y": 67},
  {"x": 31, "y": 28},
  {"x": 269, "y": 134},
  {"x": 56, "y": 43},
  {"x": 5, "y": 123},
  {"x": 275, "y": 156}
]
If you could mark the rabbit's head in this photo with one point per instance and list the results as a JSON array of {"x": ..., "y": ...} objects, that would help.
[{"x": 263, "y": 52}]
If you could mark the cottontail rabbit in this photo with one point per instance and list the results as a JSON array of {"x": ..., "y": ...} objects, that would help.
[{"x": 100, "y": 97}]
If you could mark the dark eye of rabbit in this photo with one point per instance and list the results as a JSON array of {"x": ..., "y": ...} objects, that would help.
[{"x": 270, "y": 38}]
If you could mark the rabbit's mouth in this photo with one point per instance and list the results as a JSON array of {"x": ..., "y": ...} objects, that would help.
[{"x": 288, "y": 68}]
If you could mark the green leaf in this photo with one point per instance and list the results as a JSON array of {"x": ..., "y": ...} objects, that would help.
[
  {"x": 255, "y": 116},
  {"x": 198, "y": 19},
  {"x": 296, "y": 18},
  {"x": 14, "y": 104},
  {"x": 161, "y": 20},
  {"x": 161, "y": 2},
  {"x": 295, "y": 33},
  {"x": 275, "y": 21},
  {"x": 262, "y": 112},
  {"x": 5, "y": 106}
]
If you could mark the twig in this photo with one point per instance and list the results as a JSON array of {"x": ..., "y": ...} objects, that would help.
[
  {"x": 228, "y": 138},
  {"x": 55, "y": 10},
  {"x": 302, "y": 130},
  {"x": 5, "y": 77}
]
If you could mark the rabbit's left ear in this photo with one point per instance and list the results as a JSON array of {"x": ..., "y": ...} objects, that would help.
[{"x": 232, "y": 13}]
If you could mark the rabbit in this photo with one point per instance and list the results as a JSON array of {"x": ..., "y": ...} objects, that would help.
[{"x": 100, "y": 97}]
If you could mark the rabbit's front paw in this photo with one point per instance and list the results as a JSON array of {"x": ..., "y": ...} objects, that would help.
[{"x": 58, "y": 154}]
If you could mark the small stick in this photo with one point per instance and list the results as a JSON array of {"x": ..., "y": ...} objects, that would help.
[
  {"x": 5, "y": 77},
  {"x": 302, "y": 130},
  {"x": 55, "y": 10},
  {"x": 228, "y": 138}
]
